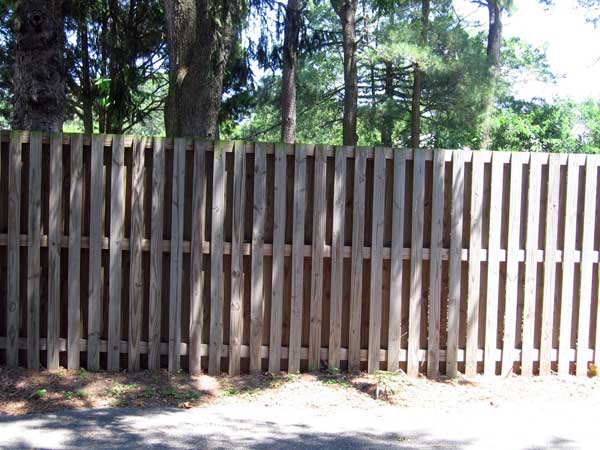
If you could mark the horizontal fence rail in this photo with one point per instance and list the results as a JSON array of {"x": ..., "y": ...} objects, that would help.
[{"x": 133, "y": 252}]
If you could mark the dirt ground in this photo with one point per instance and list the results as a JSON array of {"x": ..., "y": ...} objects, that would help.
[{"x": 23, "y": 391}]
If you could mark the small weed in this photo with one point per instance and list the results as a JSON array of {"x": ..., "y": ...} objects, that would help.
[
  {"x": 41, "y": 393},
  {"x": 84, "y": 375},
  {"x": 387, "y": 382},
  {"x": 121, "y": 389},
  {"x": 149, "y": 392},
  {"x": 70, "y": 395}
]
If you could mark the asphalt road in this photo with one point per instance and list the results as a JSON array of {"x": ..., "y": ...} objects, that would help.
[{"x": 569, "y": 425}]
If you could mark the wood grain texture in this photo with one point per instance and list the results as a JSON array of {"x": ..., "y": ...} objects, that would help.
[
  {"x": 176, "y": 263},
  {"x": 278, "y": 259},
  {"x": 455, "y": 263},
  {"x": 74, "y": 277},
  {"x": 356, "y": 271},
  {"x": 474, "y": 273},
  {"x": 376, "y": 295},
  {"x": 216, "y": 261},
  {"x": 117, "y": 217},
  {"x": 532, "y": 227},
  {"x": 568, "y": 264},
  {"x": 297, "y": 294},
  {"x": 54, "y": 239},
  {"x": 550, "y": 241},
  {"x": 512, "y": 264},
  {"x": 95, "y": 252},
  {"x": 13, "y": 252},
  {"x": 257, "y": 296},
  {"x": 337, "y": 257},
  {"x": 237, "y": 259},
  {"x": 586, "y": 267},
  {"x": 395, "y": 320},
  {"x": 197, "y": 275},
  {"x": 156, "y": 253},
  {"x": 435, "y": 266},
  {"x": 493, "y": 273},
  {"x": 33, "y": 251},
  {"x": 316, "y": 276},
  {"x": 136, "y": 281}
]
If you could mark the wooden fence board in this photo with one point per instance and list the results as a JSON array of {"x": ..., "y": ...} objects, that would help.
[
  {"x": 568, "y": 265},
  {"x": 395, "y": 318},
  {"x": 54, "y": 239},
  {"x": 176, "y": 263},
  {"x": 237, "y": 259},
  {"x": 512, "y": 264},
  {"x": 216, "y": 262},
  {"x": 156, "y": 252},
  {"x": 358, "y": 239},
  {"x": 95, "y": 258},
  {"x": 136, "y": 292},
  {"x": 550, "y": 237},
  {"x": 491, "y": 322},
  {"x": 197, "y": 274},
  {"x": 117, "y": 213},
  {"x": 376, "y": 261},
  {"x": 454, "y": 267},
  {"x": 278, "y": 259},
  {"x": 586, "y": 266},
  {"x": 299, "y": 217},
  {"x": 531, "y": 263},
  {"x": 76, "y": 205},
  {"x": 474, "y": 281},
  {"x": 316, "y": 277},
  {"x": 258, "y": 238},
  {"x": 435, "y": 266},
  {"x": 337, "y": 258},
  {"x": 33, "y": 251}
]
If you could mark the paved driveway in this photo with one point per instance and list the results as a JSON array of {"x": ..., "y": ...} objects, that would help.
[{"x": 569, "y": 425}]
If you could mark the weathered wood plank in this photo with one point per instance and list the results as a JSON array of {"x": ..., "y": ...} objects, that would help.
[
  {"x": 136, "y": 290},
  {"x": 176, "y": 263},
  {"x": 531, "y": 263},
  {"x": 395, "y": 322},
  {"x": 257, "y": 298},
  {"x": 54, "y": 239},
  {"x": 455, "y": 263},
  {"x": 474, "y": 282},
  {"x": 337, "y": 258},
  {"x": 33, "y": 251},
  {"x": 13, "y": 251},
  {"x": 117, "y": 217},
  {"x": 197, "y": 281},
  {"x": 278, "y": 259},
  {"x": 95, "y": 258},
  {"x": 586, "y": 266},
  {"x": 550, "y": 238},
  {"x": 74, "y": 281},
  {"x": 216, "y": 261},
  {"x": 491, "y": 316},
  {"x": 299, "y": 217},
  {"x": 568, "y": 265},
  {"x": 376, "y": 261},
  {"x": 237, "y": 258},
  {"x": 316, "y": 276},
  {"x": 156, "y": 253},
  {"x": 358, "y": 239},
  {"x": 512, "y": 264},
  {"x": 435, "y": 265}
]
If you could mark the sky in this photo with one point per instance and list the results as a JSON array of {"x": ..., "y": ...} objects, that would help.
[{"x": 572, "y": 45}]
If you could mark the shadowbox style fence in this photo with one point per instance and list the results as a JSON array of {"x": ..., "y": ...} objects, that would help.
[{"x": 130, "y": 252}]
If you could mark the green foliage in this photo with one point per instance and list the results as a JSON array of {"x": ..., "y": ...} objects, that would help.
[{"x": 41, "y": 393}]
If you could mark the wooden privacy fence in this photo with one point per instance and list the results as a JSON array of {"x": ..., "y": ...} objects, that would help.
[{"x": 132, "y": 252}]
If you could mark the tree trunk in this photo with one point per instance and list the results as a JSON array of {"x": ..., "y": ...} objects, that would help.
[
  {"x": 493, "y": 66},
  {"x": 288, "y": 79},
  {"x": 39, "y": 73},
  {"x": 346, "y": 10},
  {"x": 387, "y": 124},
  {"x": 200, "y": 36},
  {"x": 415, "y": 114},
  {"x": 86, "y": 84}
]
